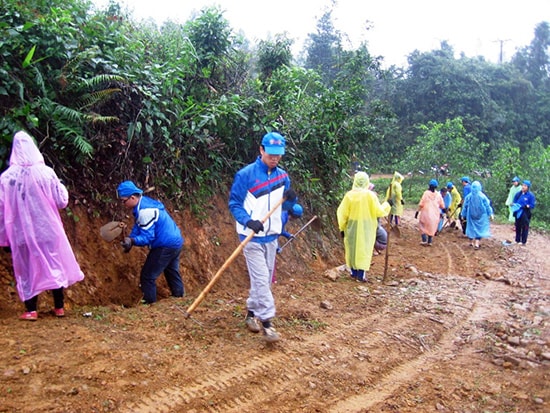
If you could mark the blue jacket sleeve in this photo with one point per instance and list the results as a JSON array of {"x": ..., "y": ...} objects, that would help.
[{"x": 236, "y": 199}]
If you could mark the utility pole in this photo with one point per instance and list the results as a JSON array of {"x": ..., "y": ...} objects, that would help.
[{"x": 500, "y": 57}]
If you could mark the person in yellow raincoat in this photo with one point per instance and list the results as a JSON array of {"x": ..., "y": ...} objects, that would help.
[
  {"x": 358, "y": 215},
  {"x": 395, "y": 193},
  {"x": 454, "y": 209},
  {"x": 430, "y": 207}
]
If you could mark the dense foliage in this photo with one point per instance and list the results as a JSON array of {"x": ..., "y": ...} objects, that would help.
[{"x": 182, "y": 106}]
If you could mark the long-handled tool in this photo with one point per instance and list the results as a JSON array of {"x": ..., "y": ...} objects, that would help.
[
  {"x": 297, "y": 232},
  {"x": 449, "y": 221},
  {"x": 234, "y": 255},
  {"x": 395, "y": 230}
]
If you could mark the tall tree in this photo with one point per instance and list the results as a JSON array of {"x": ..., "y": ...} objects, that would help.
[
  {"x": 324, "y": 49},
  {"x": 534, "y": 60}
]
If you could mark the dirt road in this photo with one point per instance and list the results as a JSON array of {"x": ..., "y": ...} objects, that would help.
[{"x": 452, "y": 330}]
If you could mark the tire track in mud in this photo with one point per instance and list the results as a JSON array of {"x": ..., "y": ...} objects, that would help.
[
  {"x": 289, "y": 360},
  {"x": 287, "y": 368},
  {"x": 407, "y": 372}
]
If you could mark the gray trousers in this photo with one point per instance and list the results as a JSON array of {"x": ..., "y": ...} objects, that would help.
[{"x": 260, "y": 260}]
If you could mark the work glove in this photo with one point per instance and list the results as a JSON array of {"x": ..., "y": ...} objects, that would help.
[
  {"x": 402, "y": 202},
  {"x": 255, "y": 225},
  {"x": 342, "y": 234},
  {"x": 127, "y": 244},
  {"x": 289, "y": 194},
  {"x": 390, "y": 202},
  {"x": 416, "y": 215}
]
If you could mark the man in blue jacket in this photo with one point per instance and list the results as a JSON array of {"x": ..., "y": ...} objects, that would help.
[
  {"x": 256, "y": 189},
  {"x": 153, "y": 228},
  {"x": 524, "y": 203}
]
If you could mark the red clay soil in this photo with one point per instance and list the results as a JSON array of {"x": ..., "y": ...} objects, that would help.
[{"x": 450, "y": 329}]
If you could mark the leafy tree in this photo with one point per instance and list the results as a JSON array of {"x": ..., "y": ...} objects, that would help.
[
  {"x": 533, "y": 60},
  {"x": 273, "y": 54},
  {"x": 324, "y": 49},
  {"x": 449, "y": 143}
]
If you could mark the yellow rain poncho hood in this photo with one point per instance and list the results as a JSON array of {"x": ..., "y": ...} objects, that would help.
[{"x": 358, "y": 215}]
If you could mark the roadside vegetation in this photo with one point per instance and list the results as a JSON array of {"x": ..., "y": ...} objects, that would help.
[{"x": 181, "y": 107}]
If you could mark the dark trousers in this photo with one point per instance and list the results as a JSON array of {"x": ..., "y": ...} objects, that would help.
[
  {"x": 161, "y": 260},
  {"x": 32, "y": 303},
  {"x": 522, "y": 228}
]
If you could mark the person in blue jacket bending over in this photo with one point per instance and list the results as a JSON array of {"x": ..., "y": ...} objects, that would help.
[
  {"x": 256, "y": 189},
  {"x": 153, "y": 228}
]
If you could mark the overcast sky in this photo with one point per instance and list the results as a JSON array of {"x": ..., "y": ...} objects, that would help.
[{"x": 397, "y": 27}]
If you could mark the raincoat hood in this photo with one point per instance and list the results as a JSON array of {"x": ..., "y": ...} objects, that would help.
[
  {"x": 398, "y": 177},
  {"x": 361, "y": 181},
  {"x": 24, "y": 151},
  {"x": 476, "y": 187}
]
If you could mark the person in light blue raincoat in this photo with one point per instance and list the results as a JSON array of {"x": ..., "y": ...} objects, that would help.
[{"x": 477, "y": 211}]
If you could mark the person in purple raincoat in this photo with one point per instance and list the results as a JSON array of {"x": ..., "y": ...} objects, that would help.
[{"x": 31, "y": 196}]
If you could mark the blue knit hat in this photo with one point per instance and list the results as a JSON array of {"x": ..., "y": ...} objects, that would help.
[{"x": 128, "y": 188}]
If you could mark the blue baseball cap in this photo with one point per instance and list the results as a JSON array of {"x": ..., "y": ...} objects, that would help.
[
  {"x": 128, "y": 188},
  {"x": 527, "y": 182},
  {"x": 433, "y": 182},
  {"x": 274, "y": 143},
  {"x": 515, "y": 179},
  {"x": 465, "y": 179},
  {"x": 449, "y": 185}
]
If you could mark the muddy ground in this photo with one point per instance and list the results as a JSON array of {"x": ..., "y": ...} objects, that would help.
[{"x": 449, "y": 330}]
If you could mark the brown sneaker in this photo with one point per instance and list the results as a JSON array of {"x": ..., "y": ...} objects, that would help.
[
  {"x": 270, "y": 335},
  {"x": 252, "y": 324}
]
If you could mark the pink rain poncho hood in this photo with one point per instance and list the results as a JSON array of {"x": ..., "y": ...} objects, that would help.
[{"x": 30, "y": 198}]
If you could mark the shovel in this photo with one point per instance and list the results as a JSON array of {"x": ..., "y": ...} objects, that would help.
[{"x": 111, "y": 230}]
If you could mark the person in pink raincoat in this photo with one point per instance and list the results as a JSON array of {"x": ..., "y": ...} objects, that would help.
[
  {"x": 31, "y": 195},
  {"x": 430, "y": 207}
]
